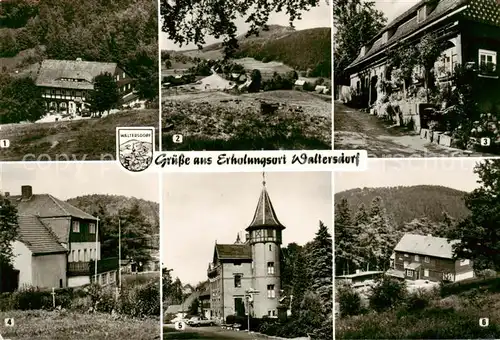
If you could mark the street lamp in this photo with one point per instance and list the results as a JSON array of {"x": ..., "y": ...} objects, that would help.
[{"x": 249, "y": 297}]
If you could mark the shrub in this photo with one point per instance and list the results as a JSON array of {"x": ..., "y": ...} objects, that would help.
[
  {"x": 349, "y": 300},
  {"x": 417, "y": 300},
  {"x": 387, "y": 293}
]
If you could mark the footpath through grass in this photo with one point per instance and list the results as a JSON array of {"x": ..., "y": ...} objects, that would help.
[
  {"x": 87, "y": 139},
  {"x": 70, "y": 325}
]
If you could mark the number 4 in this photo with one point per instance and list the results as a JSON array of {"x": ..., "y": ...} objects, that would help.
[{"x": 9, "y": 322}]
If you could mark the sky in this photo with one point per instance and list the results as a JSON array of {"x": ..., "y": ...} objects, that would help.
[
  {"x": 316, "y": 17},
  {"x": 68, "y": 180},
  {"x": 200, "y": 209},
  {"x": 456, "y": 173},
  {"x": 393, "y": 8}
]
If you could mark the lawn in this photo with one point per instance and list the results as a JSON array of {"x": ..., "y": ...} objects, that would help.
[
  {"x": 89, "y": 139},
  {"x": 65, "y": 325},
  {"x": 220, "y": 121}
]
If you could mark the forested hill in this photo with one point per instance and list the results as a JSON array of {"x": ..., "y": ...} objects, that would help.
[
  {"x": 304, "y": 50},
  {"x": 405, "y": 204},
  {"x": 112, "y": 204}
]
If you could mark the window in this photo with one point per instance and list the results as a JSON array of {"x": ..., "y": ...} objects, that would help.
[
  {"x": 427, "y": 259},
  {"x": 406, "y": 255},
  {"x": 270, "y": 268},
  {"x": 123, "y": 75},
  {"x": 421, "y": 14},
  {"x": 117, "y": 77},
  {"x": 274, "y": 312},
  {"x": 73, "y": 258},
  {"x": 76, "y": 226},
  {"x": 417, "y": 258},
  {"x": 92, "y": 228},
  {"x": 85, "y": 255},
  {"x": 487, "y": 61},
  {"x": 426, "y": 272},
  {"x": 405, "y": 264},
  {"x": 270, "y": 233},
  {"x": 237, "y": 281},
  {"x": 270, "y": 247},
  {"x": 269, "y": 313},
  {"x": 409, "y": 272},
  {"x": 270, "y": 292},
  {"x": 464, "y": 262},
  {"x": 79, "y": 255}
]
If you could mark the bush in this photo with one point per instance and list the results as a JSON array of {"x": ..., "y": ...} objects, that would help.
[
  {"x": 387, "y": 293},
  {"x": 349, "y": 301},
  {"x": 417, "y": 300}
]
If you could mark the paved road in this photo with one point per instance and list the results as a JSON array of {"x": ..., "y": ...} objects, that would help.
[
  {"x": 359, "y": 130},
  {"x": 212, "y": 333}
]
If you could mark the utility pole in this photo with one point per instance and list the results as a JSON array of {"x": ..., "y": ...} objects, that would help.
[
  {"x": 96, "y": 249},
  {"x": 119, "y": 255}
]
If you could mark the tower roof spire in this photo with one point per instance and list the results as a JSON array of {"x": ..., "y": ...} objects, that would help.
[{"x": 264, "y": 215}]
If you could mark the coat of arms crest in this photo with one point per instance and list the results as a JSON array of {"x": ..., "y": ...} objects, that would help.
[{"x": 135, "y": 147}]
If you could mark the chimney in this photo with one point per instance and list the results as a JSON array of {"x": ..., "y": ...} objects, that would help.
[
  {"x": 26, "y": 192},
  {"x": 6, "y": 194},
  {"x": 363, "y": 51}
]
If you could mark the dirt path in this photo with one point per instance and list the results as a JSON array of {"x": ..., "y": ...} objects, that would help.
[{"x": 359, "y": 130}]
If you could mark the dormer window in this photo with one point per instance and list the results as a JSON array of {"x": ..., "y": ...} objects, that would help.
[{"x": 421, "y": 14}]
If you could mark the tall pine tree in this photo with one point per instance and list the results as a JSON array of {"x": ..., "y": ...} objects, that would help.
[
  {"x": 321, "y": 267},
  {"x": 9, "y": 229}
]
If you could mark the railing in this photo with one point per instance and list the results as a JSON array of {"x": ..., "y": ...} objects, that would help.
[{"x": 88, "y": 268}]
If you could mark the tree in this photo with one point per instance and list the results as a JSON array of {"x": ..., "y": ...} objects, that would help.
[
  {"x": 136, "y": 239},
  {"x": 21, "y": 101},
  {"x": 356, "y": 23},
  {"x": 300, "y": 282},
  {"x": 478, "y": 234},
  {"x": 344, "y": 238},
  {"x": 288, "y": 258},
  {"x": 105, "y": 95},
  {"x": 387, "y": 293},
  {"x": 349, "y": 300},
  {"x": 256, "y": 81},
  {"x": 321, "y": 267},
  {"x": 193, "y": 308},
  {"x": 191, "y": 21},
  {"x": 9, "y": 229}
]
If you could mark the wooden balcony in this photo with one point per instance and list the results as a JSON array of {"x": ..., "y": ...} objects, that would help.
[{"x": 88, "y": 268}]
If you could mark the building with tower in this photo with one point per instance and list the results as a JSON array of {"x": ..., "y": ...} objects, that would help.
[{"x": 246, "y": 275}]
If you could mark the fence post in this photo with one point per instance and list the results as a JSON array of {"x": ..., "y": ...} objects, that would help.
[{"x": 53, "y": 297}]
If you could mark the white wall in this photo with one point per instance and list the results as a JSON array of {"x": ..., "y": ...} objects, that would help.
[
  {"x": 78, "y": 281},
  {"x": 23, "y": 262},
  {"x": 463, "y": 276}
]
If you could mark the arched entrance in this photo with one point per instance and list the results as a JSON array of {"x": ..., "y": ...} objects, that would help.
[
  {"x": 72, "y": 108},
  {"x": 63, "y": 107}
]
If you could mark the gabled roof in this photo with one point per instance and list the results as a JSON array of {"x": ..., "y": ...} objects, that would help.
[
  {"x": 264, "y": 215},
  {"x": 233, "y": 252},
  {"x": 46, "y": 205},
  {"x": 407, "y": 24},
  {"x": 426, "y": 245},
  {"x": 173, "y": 309},
  {"x": 37, "y": 237},
  {"x": 54, "y": 73}
]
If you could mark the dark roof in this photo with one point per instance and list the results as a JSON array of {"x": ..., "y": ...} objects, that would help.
[
  {"x": 37, "y": 237},
  {"x": 46, "y": 205},
  {"x": 233, "y": 251},
  {"x": 173, "y": 309},
  {"x": 264, "y": 215},
  {"x": 52, "y": 73},
  {"x": 406, "y": 24}
]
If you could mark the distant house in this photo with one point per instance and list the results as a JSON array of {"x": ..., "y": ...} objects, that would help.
[
  {"x": 66, "y": 84},
  {"x": 299, "y": 84},
  {"x": 359, "y": 276},
  {"x": 51, "y": 229},
  {"x": 418, "y": 257}
]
